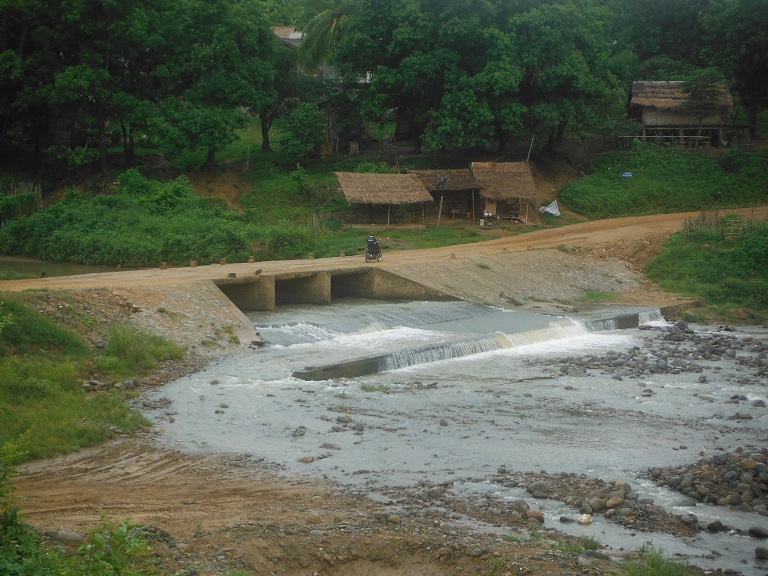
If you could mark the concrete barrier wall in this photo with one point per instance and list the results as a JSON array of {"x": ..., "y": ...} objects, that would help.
[{"x": 250, "y": 294}]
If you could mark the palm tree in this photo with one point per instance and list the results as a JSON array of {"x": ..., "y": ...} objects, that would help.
[{"x": 320, "y": 32}]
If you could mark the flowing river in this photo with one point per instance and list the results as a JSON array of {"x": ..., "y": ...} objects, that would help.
[{"x": 451, "y": 392}]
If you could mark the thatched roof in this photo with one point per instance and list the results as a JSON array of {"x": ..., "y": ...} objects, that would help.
[
  {"x": 446, "y": 180},
  {"x": 668, "y": 95},
  {"x": 369, "y": 188},
  {"x": 505, "y": 180}
]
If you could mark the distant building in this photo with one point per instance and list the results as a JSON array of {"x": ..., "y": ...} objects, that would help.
[{"x": 663, "y": 110}]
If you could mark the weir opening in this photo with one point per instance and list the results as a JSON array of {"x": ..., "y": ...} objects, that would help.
[{"x": 264, "y": 292}]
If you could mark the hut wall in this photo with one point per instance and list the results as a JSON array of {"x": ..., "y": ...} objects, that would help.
[{"x": 667, "y": 118}]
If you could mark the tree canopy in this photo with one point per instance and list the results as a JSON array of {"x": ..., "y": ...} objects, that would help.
[{"x": 78, "y": 76}]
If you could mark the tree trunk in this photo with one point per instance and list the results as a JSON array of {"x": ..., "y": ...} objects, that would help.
[
  {"x": 265, "y": 126},
  {"x": 502, "y": 142},
  {"x": 211, "y": 157},
  {"x": 752, "y": 118},
  {"x": 102, "y": 140}
]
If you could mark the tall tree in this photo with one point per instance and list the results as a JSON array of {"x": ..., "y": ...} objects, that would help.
[
  {"x": 736, "y": 33},
  {"x": 572, "y": 74},
  {"x": 704, "y": 89},
  {"x": 444, "y": 66},
  {"x": 222, "y": 61},
  {"x": 321, "y": 31},
  {"x": 30, "y": 33}
]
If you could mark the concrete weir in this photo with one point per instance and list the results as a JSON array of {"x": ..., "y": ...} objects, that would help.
[{"x": 263, "y": 292}]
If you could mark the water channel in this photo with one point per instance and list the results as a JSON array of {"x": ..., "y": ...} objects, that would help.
[{"x": 455, "y": 392}]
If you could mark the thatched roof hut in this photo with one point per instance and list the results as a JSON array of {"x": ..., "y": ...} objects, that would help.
[
  {"x": 505, "y": 181},
  {"x": 665, "y": 103},
  {"x": 386, "y": 189},
  {"x": 669, "y": 95},
  {"x": 447, "y": 180}
]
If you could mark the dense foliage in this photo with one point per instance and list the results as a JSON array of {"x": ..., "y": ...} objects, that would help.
[
  {"x": 77, "y": 76},
  {"x": 667, "y": 180}
]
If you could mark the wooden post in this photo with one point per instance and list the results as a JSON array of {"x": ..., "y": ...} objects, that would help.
[
  {"x": 440, "y": 210},
  {"x": 389, "y": 210}
]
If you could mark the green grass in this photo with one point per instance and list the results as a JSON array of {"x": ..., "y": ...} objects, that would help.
[
  {"x": 130, "y": 350},
  {"x": 667, "y": 180},
  {"x": 44, "y": 409},
  {"x": 596, "y": 296},
  {"x": 654, "y": 562},
  {"x": 726, "y": 273}
]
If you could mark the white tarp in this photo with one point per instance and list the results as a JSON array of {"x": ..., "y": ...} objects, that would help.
[{"x": 550, "y": 209}]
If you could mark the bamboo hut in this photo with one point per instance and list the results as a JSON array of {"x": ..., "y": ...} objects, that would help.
[
  {"x": 452, "y": 190},
  {"x": 663, "y": 109},
  {"x": 507, "y": 189},
  {"x": 375, "y": 191}
]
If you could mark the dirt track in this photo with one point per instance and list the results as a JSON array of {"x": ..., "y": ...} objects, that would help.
[
  {"x": 620, "y": 238},
  {"x": 219, "y": 513}
]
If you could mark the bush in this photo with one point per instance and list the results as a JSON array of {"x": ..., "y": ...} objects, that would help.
[
  {"x": 23, "y": 331},
  {"x": 129, "y": 350},
  {"x": 306, "y": 130}
]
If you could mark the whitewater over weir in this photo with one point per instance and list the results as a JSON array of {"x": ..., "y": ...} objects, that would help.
[{"x": 450, "y": 392}]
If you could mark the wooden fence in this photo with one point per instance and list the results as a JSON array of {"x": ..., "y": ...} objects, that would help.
[{"x": 729, "y": 225}]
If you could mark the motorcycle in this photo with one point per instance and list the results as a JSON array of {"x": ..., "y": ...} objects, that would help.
[{"x": 371, "y": 256}]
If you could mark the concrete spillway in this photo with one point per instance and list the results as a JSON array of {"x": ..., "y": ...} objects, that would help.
[{"x": 263, "y": 292}]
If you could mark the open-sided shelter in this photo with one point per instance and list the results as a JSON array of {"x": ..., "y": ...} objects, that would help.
[
  {"x": 507, "y": 189},
  {"x": 453, "y": 191},
  {"x": 374, "y": 192},
  {"x": 664, "y": 111}
]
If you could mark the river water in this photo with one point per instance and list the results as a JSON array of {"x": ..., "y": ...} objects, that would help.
[{"x": 451, "y": 391}]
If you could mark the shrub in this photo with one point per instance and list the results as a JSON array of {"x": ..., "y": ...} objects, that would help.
[
  {"x": 137, "y": 351},
  {"x": 24, "y": 331}
]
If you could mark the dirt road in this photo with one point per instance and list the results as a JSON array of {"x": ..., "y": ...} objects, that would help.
[
  {"x": 217, "y": 513},
  {"x": 621, "y": 236}
]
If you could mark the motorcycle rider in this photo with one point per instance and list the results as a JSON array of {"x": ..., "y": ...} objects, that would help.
[{"x": 373, "y": 246}]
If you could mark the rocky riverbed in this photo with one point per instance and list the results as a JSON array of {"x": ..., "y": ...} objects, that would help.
[{"x": 219, "y": 512}]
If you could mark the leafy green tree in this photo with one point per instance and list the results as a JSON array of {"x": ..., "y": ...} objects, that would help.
[
  {"x": 736, "y": 34},
  {"x": 29, "y": 61},
  {"x": 287, "y": 82},
  {"x": 306, "y": 130},
  {"x": 704, "y": 89},
  {"x": 665, "y": 35},
  {"x": 221, "y": 63},
  {"x": 572, "y": 75},
  {"x": 444, "y": 67}
]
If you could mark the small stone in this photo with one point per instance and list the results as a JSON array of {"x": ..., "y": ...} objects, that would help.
[{"x": 536, "y": 515}]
